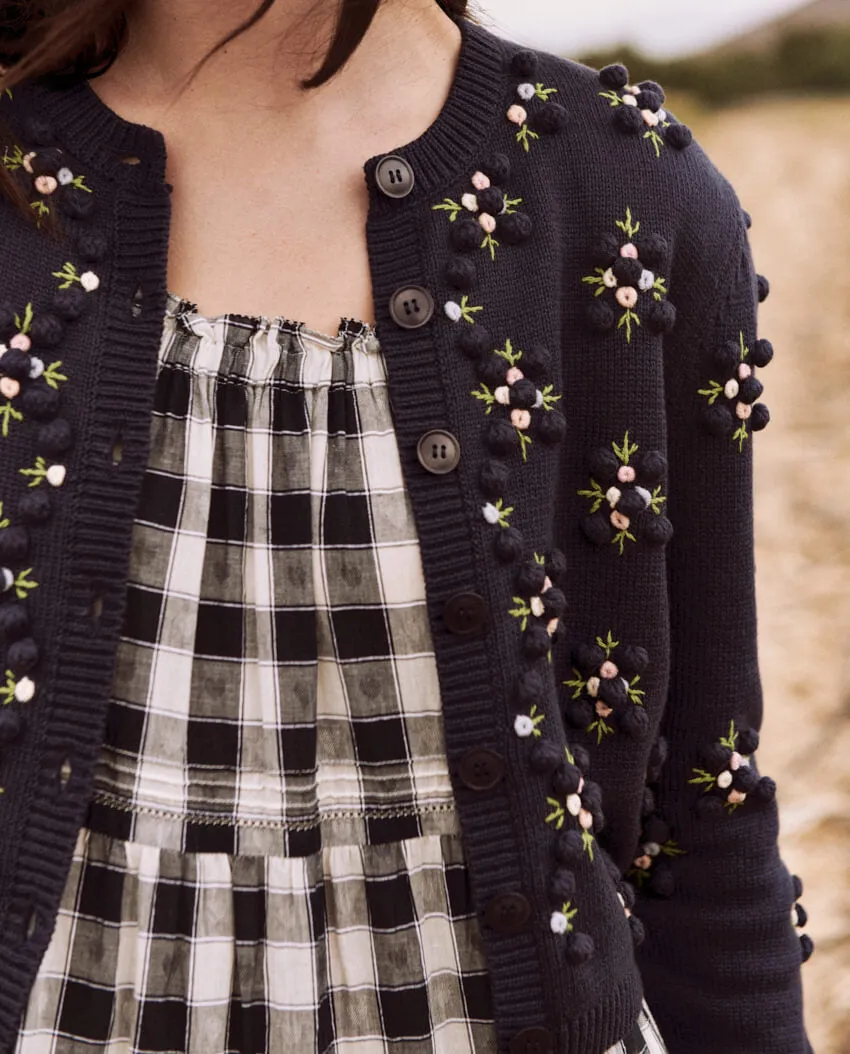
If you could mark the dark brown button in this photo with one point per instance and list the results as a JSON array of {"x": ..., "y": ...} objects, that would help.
[
  {"x": 465, "y": 613},
  {"x": 438, "y": 451},
  {"x": 481, "y": 769},
  {"x": 411, "y": 306},
  {"x": 394, "y": 176},
  {"x": 533, "y": 1041},
  {"x": 508, "y": 912}
]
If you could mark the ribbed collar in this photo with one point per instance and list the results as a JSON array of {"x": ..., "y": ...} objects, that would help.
[{"x": 101, "y": 138}]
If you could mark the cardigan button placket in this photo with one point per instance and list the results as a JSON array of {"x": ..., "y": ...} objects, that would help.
[
  {"x": 438, "y": 451},
  {"x": 394, "y": 176},
  {"x": 533, "y": 1041},
  {"x": 411, "y": 306}
]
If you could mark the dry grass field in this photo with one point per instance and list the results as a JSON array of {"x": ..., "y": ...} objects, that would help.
[{"x": 790, "y": 162}]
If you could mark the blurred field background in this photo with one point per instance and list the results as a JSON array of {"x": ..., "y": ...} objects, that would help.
[{"x": 772, "y": 108}]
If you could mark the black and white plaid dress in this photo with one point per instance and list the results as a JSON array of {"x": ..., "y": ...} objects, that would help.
[{"x": 271, "y": 862}]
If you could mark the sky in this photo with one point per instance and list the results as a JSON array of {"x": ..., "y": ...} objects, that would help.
[{"x": 569, "y": 27}]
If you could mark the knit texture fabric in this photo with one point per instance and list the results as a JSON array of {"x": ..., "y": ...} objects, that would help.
[{"x": 566, "y": 299}]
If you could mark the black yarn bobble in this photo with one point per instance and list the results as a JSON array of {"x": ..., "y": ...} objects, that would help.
[
  {"x": 800, "y": 917},
  {"x": 736, "y": 401}
]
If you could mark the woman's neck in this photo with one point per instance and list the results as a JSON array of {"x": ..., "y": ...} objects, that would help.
[{"x": 410, "y": 47}]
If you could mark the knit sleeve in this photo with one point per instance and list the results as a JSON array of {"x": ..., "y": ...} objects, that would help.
[{"x": 722, "y": 957}]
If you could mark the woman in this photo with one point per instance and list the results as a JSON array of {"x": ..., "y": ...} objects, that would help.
[{"x": 384, "y": 680}]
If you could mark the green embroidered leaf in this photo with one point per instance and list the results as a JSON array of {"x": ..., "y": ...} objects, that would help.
[
  {"x": 657, "y": 500},
  {"x": 24, "y": 327},
  {"x": 8, "y": 413},
  {"x": 484, "y": 394},
  {"x": 578, "y": 683},
  {"x": 587, "y": 842},
  {"x": 569, "y": 913},
  {"x": 744, "y": 350},
  {"x": 636, "y": 694},
  {"x": 570, "y": 758},
  {"x": 641, "y": 877},
  {"x": 491, "y": 244},
  {"x": 4, "y": 522},
  {"x": 7, "y": 692},
  {"x": 467, "y": 311},
  {"x": 504, "y": 513},
  {"x": 703, "y": 777},
  {"x": 627, "y": 319},
  {"x": 80, "y": 183},
  {"x": 68, "y": 275},
  {"x": 741, "y": 434},
  {"x": 671, "y": 848},
  {"x": 602, "y": 729},
  {"x": 508, "y": 354},
  {"x": 524, "y": 135},
  {"x": 612, "y": 96},
  {"x": 712, "y": 393},
  {"x": 657, "y": 140},
  {"x": 449, "y": 206},
  {"x": 543, "y": 93},
  {"x": 539, "y": 558},
  {"x": 549, "y": 400},
  {"x": 24, "y": 584},
  {"x": 597, "y": 494},
  {"x": 609, "y": 643},
  {"x": 521, "y": 611},
  {"x": 620, "y": 538},
  {"x": 525, "y": 442},
  {"x": 730, "y": 740},
  {"x": 39, "y": 472},
  {"x": 510, "y": 202},
  {"x": 557, "y": 815},
  {"x": 51, "y": 374},
  {"x": 626, "y": 450},
  {"x": 629, "y": 227}
]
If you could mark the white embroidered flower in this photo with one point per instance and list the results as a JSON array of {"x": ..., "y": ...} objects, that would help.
[
  {"x": 552, "y": 626},
  {"x": 56, "y": 475},
  {"x": 592, "y": 686},
  {"x": 646, "y": 281},
  {"x": 7, "y": 579},
  {"x": 613, "y": 495},
  {"x": 629, "y": 99},
  {"x": 731, "y": 389},
  {"x": 502, "y": 395},
  {"x": 536, "y": 606},
  {"x": 523, "y": 726},
  {"x": 89, "y": 281},
  {"x": 36, "y": 367},
  {"x": 736, "y": 797},
  {"x": 735, "y": 761},
  {"x": 610, "y": 279},
  {"x": 573, "y": 804},
  {"x": 662, "y": 115},
  {"x": 724, "y": 780},
  {"x": 24, "y": 690},
  {"x": 645, "y": 495},
  {"x": 453, "y": 311},
  {"x": 538, "y": 399},
  {"x": 27, "y": 161},
  {"x": 559, "y": 923},
  {"x": 469, "y": 202},
  {"x": 65, "y": 176},
  {"x": 491, "y": 513},
  {"x": 652, "y": 848},
  {"x": 525, "y": 91},
  {"x": 585, "y": 818}
]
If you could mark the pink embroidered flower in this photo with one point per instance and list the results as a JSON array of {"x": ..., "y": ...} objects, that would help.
[
  {"x": 480, "y": 181},
  {"x": 643, "y": 862},
  {"x": 602, "y": 709},
  {"x": 626, "y": 474},
  {"x": 735, "y": 761},
  {"x": 520, "y": 419},
  {"x": 627, "y": 296},
  {"x": 629, "y": 251},
  {"x": 552, "y": 626},
  {"x": 608, "y": 669},
  {"x": 517, "y": 114},
  {"x": 585, "y": 818},
  {"x": 745, "y": 370},
  {"x": 487, "y": 222},
  {"x": 45, "y": 184},
  {"x": 9, "y": 387},
  {"x": 743, "y": 411},
  {"x": 620, "y": 521},
  {"x": 20, "y": 341},
  {"x": 649, "y": 118},
  {"x": 736, "y": 797},
  {"x": 27, "y": 161},
  {"x": 514, "y": 374}
]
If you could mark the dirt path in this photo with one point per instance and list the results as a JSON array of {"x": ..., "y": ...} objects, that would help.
[{"x": 790, "y": 162}]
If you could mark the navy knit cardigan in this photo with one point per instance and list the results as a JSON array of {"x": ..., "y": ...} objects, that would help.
[{"x": 566, "y": 301}]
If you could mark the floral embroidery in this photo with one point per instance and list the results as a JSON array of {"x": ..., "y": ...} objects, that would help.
[
  {"x": 538, "y": 607},
  {"x": 605, "y": 690},
  {"x": 573, "y": 804},
  {"x": 623, "y": 276},
  {"x": 515, "y": 391},
  {"x": 47, "y": 175},
  {"x": 638, "y": 110},
  {"x": 728, "y": 776},
  {"x": 485, "y": 204},
  {"x": 735, "y": 399},
  {"x": 542, "y": 119},
  {"x": 622, "y": 483},
  {"x": 648, "y": 867},
  {"x": 20, "y": 582},
  {"x": 529, "y": 724},
  {"x": 88, "y": 279}
]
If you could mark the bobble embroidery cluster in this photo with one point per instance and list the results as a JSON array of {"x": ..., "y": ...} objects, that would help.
[
  {"x": 485, "y": 208},
  {"x": 620, "y": 481},
  {"x": 638, "y": 110},
  {"x": 605, "y": 693},
  {"x": 51, "y": 178},
  {"x": 30, "y": 384},
  {"x": 651, "y": 871},
  {"x": 538, "y": 607},
  {"x": 733, "y": 401},
  {"x": 512, "y": 384},
  {"x": 727, "y": 777},
  {"x": 535, "y": 113},
  {"x": 627, "y": 282}
]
